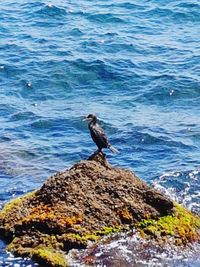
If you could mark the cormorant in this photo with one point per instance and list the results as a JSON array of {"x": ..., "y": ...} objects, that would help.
[{"x": 98, "y": 135}]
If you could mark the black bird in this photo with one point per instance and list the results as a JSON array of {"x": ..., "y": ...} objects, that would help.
[{"x": 98, "y": 135}]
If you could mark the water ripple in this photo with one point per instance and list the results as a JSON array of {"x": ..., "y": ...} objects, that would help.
[{"x": 136, "y": 65}]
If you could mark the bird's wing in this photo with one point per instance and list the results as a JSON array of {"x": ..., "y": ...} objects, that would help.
[{"x": 100, "y": 134}]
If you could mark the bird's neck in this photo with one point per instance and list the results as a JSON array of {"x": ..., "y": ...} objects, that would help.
[{"x": 92, "y": 123}]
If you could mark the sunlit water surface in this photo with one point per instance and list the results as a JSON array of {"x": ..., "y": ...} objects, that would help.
[{"x": 133, "y": 63}]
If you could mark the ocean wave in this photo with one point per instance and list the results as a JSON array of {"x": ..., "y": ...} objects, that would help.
[
  {"x": 171, "y": 14},
  {"x": 22, "y": 116},
  {"x": 129, "y": 5},
  {"x": 40, "y": 9},
  {"x": 188, "y": 6},
  {"x": 51, "y": 11},
  {"x": 105, "y": 18},
  {"x": 182, "y": 186},
  {"x": 130, "y": 250}
]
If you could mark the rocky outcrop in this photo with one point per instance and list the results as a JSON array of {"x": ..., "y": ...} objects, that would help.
[{"x": 84, "y": 203}]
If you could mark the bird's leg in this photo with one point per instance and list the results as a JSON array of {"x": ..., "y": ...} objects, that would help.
[{"x": 97, "y": 151}]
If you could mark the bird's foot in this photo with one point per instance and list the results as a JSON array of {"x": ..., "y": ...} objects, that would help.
[
  {"x": 97, "y": 151},
  {"x": 99, "y": 156}
]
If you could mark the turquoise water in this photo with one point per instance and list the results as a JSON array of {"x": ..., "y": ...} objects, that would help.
[{"x": 136, "y": 64}]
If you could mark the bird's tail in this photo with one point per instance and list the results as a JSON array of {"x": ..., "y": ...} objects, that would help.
[{"x": 114, "y": 150}]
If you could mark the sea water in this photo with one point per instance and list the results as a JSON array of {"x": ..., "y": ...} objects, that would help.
[{"x": 136, "y": 64}]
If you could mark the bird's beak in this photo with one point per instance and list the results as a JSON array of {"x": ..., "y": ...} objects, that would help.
[{"x": 85, "y": 119}]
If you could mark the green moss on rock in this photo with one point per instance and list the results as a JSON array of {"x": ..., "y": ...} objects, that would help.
[
  {"x": 49, "y": 257},
  {"x": 182, "y": 225},
  {"x": 13, "y": 212},
  {"x": 14, "y": 204}
]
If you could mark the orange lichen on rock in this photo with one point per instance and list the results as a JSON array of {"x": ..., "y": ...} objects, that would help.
[
  {"x": 45, "y": 213},
  {"x": 125, "y": 215}
]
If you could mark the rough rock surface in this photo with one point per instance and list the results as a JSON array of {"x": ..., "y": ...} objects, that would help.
[{"x": 83, "y": 203}]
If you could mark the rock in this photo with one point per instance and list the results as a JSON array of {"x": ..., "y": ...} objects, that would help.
[{"x": 90, "y": 200}]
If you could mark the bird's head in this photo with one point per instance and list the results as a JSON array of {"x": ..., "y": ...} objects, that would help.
[{"x": 90, "y": 118}]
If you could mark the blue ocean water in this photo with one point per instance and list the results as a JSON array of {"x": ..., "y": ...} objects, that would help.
[{"x": 136, "y": 64}]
